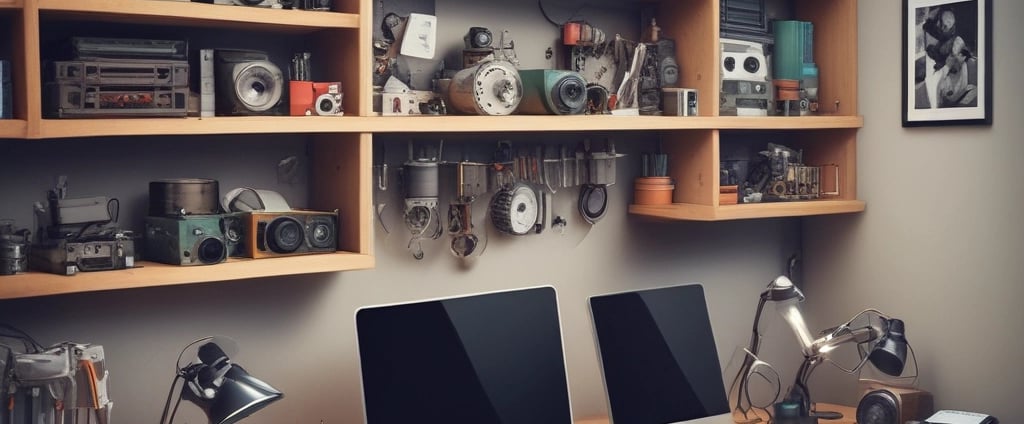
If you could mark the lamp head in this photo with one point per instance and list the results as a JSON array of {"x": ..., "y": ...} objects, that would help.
[
  {"x": 782, "y": 288},
  {"x": 224, "y": 390},
  {"x": 890, "y": 353}
]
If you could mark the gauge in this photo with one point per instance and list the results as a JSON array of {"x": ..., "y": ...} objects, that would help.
[{"x": 515, "y": 210}]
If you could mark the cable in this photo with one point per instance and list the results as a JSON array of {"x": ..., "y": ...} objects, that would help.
[
  {"x": 540, "y": 5},
  {"x": 23, "y": 335},
  {"x": 167, "y": 403}
]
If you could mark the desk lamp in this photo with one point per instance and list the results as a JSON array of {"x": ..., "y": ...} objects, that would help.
[
  {"x": 879, "y": 339},
  {"x": 221, "y": 388}
]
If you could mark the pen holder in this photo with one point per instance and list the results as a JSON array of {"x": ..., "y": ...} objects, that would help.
[{"x": 653, "y": 191}]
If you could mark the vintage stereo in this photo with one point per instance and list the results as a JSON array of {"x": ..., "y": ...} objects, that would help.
[
  {"x": 745, "y": 89},
  {"x": 86, "y": 101},
  {"x": 186, "y": 240},
  {"x": 679, "y": 101},
  {"x": 296, "y": 232},
  {"x": 246, "y": 83},
  {"x": 552, "y": 92},
  {"x": 111, "y": 73},
  {"x": 68, "y": 257},
  {"x": 139, "y": 50},
  {"x": 882, "y": 403}
]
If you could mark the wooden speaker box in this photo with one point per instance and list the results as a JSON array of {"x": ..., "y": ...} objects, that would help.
[{"x": 882, "y": 403}]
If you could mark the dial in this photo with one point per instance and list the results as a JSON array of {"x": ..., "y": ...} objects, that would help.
[{"x": 524, "y": 210}]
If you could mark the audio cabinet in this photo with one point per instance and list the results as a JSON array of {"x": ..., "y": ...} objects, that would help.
[{"x": 340, "y": 148}]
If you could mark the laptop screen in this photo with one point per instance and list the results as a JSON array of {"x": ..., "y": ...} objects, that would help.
[
  {"x": 489, "y": 358},
  {"x": 658, "y": 355}
]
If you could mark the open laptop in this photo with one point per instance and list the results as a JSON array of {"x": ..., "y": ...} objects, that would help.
[
  {"x": 479, "y": 359},
  {"x": 658, "y": 357}
]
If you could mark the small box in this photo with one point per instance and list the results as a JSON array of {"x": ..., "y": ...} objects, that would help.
[
  {"x": 411, "y": 102},
  {"x": 679, "y": 101}
]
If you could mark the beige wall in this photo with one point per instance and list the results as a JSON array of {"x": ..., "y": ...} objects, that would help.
[{"x": 940, "y": 244}]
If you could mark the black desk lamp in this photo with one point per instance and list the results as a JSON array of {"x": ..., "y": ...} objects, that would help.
[
  {"x": 222, "y": 389},
  {"x": 880, "y": 340}
]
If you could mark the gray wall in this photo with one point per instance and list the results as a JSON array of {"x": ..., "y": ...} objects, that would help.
[{"x": 940, "y": 244}]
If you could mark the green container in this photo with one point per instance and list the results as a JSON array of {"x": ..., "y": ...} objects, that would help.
[{"x": 794, "y": 47}]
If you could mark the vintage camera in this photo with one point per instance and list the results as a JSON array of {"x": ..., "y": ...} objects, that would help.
[
  {"x": 296, "y": 232},
  {"x": 186, "y": 240},
  {"x": 882, "y": 403},
  {"x": 745, "y": 87},
  {"x": 14, "y": 247},
  {"x": 315, "y": 98},
  {"x": 97, "y": 253},
  {"x": 328, "y": 97},
  {"x": 246, "y": 83}
]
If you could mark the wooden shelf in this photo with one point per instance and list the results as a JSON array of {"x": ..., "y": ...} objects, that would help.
[
  {"x": 180, "y": 13},
  {"x": 151, "y": 274},
  {"x": 58, "y": 128},
  {"x": 11, "y": 4},
  {"x": 12, "y": 128},
  {"x": 694, "y": 212}
]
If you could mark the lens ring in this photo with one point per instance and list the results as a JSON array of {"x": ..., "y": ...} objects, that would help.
[
  {"x": 211, "y": 250},
  {"x": 284, "y": 234}
]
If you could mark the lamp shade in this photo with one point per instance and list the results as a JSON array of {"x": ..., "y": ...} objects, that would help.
[
  {"x": 239, "y": 396},
  {"x": 224, "y": 390},
  {"x": 890, "y": 353}
]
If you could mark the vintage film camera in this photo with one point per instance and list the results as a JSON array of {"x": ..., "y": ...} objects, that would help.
[
  {"x": 315, "y": 98},
  {"x": 552, "y": 92},
  {"x": 246, "y": 83},
  {"x": 745, "y": 88},
  {"x": 296, "y": 232},
  {"x": 186, "y": 240}
]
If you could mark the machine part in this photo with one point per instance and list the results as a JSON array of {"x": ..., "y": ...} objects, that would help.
[
  {"x": 515, "y": 210},
  {"x": 184, "y": 196},
  {"x": 489, "y": 88},
  {"x": 460, "y": 226},
  {"x": 593, "y": 202}
]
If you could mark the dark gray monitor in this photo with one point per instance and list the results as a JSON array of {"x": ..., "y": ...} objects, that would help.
[
  {"x": 658, "y": 356},
  {"x": 488, "y": 358}
]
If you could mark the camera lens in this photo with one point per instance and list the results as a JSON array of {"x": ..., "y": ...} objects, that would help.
[
  {"x": 284, "y": 234},
  {"x": 730, "y": 64},
  {"x": 751, "y": 64},
  {"x": 325, "y": 106},
  {"x": 211, "y": 251}
]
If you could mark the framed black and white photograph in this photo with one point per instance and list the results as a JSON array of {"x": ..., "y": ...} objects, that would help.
[{"x": 947, "y": 62}]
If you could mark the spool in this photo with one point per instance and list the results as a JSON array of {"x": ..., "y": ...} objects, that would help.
[
  {"x": 175, "y": 197},
  {"x": 489, "y": 88}
]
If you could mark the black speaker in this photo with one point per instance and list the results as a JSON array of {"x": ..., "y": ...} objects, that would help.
[{"x": 882, "y": 403}]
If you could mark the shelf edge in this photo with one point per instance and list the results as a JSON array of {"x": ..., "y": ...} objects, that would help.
[
  {"x": 35, "y": 284},
  {"x": 691, "y": 212}
]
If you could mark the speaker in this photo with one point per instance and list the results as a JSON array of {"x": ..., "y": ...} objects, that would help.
[
  {"x": 247, "y": 83},
  {"x": 296, "y": 232},
  {"x": 882, "y": 403}
]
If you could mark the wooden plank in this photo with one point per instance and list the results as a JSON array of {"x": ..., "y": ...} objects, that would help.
[
  {"x": 835, "y": 52},
  {"x": 342, "y": 173},
  {"x": 13, "y": 128},
  {"x": 691, "y": 212},
  {"x": 693, "y": 165},
  {"x": 694, "y": 25},
  {"x": 151, "y": 274}
]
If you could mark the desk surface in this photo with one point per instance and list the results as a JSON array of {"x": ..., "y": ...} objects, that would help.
[{"x": 849, "y": 415}]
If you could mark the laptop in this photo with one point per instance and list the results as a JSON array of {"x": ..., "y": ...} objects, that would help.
[
  {"x": 477, "y": 359},
  {"x": 658, "y": 357}
]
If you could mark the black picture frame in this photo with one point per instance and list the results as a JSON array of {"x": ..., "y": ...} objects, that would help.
[{"x": 947, "y": 62}]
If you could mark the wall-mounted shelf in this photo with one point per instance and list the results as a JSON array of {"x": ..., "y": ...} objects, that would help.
[
  {"x": 12, "y": 128},
  {"x": 692, "y": 212},
  {"x": 150, "y": 274}
]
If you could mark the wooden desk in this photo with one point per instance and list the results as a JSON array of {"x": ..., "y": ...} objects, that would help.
[{"x": 849, "y": 415}]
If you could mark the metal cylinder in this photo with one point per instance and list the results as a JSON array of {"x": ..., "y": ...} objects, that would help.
[
  {"x": 421, "y": 179},
  {"x": 489, "y": 88},
  {"x": 175, "y": 197}
]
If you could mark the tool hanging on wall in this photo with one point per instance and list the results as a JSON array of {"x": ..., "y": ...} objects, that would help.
[
  {"x": 381, "y": 169},
  {"x": 471, "y": 180},
  {"x": 599, "y": 175},
  {"x": 420, "y": 177}
]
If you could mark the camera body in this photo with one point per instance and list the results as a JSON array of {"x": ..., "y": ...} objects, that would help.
[
  {"x": 745, "y": 88},
  {"x": 327, "y": 99},
  {"x": 296, "y": 232},
  {"x": 246, "y": 83},
  {"x": 14, "y": 248},
  {"x": 186, "y": 240}
]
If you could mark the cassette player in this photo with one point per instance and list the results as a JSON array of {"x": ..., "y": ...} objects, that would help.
[
  {"x": 110, "y": 73},
  {"x": 86, "y": 100},
  {"x": 68, "y": 257}
]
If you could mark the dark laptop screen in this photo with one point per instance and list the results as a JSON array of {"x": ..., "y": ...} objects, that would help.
[
  {"x": 490, "y": 358},
  {"x": 658, "y": 355}
]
